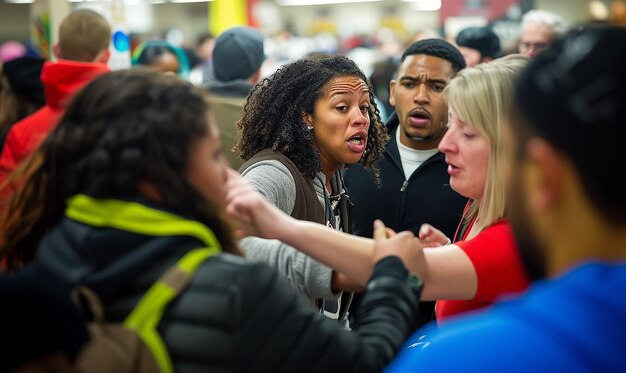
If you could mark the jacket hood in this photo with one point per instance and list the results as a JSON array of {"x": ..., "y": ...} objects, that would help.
[
  {"x": 107, "y": 259},
  {"x": 61, "y": 79}
]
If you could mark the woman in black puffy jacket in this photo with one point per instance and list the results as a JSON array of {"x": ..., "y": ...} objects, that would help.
[{"x": 132, "y": 182}]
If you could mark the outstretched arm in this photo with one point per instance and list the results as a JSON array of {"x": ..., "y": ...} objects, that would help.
[
  {"x": 446, "y": 270},
  {"x": 350, "y": 255}
]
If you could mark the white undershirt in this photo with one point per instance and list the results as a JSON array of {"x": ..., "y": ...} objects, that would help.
[{"x": 412, "y": 158}]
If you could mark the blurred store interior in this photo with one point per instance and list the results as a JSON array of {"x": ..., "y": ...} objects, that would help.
[{"x": 367, "y": 30}]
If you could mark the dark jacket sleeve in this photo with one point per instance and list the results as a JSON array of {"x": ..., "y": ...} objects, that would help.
[{"x": 279, "y": 331}]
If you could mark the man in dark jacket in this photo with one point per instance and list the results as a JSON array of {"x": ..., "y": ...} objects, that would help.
[{"x": 415, "y": 186}]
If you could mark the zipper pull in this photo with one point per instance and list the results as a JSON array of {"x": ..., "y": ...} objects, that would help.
[{"x": 404, "y": 185}]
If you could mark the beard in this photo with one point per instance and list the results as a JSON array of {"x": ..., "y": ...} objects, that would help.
[{"x": 532, "y": 255}]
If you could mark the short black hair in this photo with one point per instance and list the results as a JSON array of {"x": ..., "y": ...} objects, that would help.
[
  {"x": 437, "y": 48},
  {"x": 483, "y": 39},
  {"x": 573, "y": 96}
]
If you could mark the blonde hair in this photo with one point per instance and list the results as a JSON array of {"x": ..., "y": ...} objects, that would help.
[
  {"x": 481, "y": 96},
  {"x": 83, "y": 35}
]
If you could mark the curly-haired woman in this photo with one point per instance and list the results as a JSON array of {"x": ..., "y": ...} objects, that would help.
[{"x": 300, "y": 126}]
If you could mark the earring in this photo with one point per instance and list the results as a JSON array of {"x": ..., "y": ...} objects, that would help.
[{"x": 310, "y": 128}]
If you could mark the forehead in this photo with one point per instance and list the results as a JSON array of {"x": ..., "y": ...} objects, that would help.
[
  {"x": 344, "y": 85},
  {"x": 418, "y": 64},
  {"x": 537, "y": 33}
]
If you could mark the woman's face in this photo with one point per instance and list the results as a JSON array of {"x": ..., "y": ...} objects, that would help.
[
  {"x": 467, "y": 155},
  {"x": 341, "y": 122},
  {"x": 168, "y": 63},
  {"x": 207, "y": 167}
]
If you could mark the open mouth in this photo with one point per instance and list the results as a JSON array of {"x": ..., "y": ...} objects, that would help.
[
  {"x": 419, "y": 114},
  {"x": 357, "y": 140}
]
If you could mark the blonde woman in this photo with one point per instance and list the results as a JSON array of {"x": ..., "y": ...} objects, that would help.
[{"x": 483, "y": 263}]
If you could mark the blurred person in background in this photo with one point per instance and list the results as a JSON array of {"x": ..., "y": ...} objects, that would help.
[
  {"x": 540, "y": 28},
  {"x": 202, "y": 64},
  {"x": 83, "y": 53},
  {"x": 568, "y": 216},
  {"x": 300, "y": 127},
  {"x": 236, "y": 67},
  {"x": 21, "y": 91},
  {"x": 162, "y": 56},
  {"x": 478, "y": 45},
  {"x": 382, "y": 73}
]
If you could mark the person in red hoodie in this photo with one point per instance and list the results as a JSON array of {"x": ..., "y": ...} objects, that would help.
[{"x": 83, "y": 53}]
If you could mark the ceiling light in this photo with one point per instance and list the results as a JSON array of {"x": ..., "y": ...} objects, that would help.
[
  {"x": 425, "y": 5},
  {"x": 319, "y": 2},
  {"x": 190, "y": 1}
]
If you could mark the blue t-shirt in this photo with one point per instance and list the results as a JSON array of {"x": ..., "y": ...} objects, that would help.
[{"x": 575, "y": 323}]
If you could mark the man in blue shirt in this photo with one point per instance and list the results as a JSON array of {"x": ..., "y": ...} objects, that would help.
[{"x": 569, "y": 217}]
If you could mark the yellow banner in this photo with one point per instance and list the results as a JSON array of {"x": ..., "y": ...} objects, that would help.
[{"x": 224, "y": 14}]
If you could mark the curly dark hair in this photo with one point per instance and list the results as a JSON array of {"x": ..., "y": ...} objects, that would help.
[
  {"x": 272, "y": 115},
  {"x": 123, "y": 128}
]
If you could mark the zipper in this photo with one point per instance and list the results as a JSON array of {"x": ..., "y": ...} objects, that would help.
[{"x": 404, "y": 185}]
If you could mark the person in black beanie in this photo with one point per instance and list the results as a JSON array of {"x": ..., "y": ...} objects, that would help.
[
  {"x": 236, "y": 67},
  {"x": 21, "y": 91},
  {"x": 478, "y": 45}
]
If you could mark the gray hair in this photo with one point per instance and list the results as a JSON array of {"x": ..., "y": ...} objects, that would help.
[{"x": 543, "y": 17}]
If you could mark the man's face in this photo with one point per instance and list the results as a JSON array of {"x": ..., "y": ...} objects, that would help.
[
  {"x": 417, "y": 94},
  {"x": 531, "y": 252},
  {"x": 535, "y": 39}
]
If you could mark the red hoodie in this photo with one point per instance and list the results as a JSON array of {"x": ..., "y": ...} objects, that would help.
[{"x": 61, "y": 80}]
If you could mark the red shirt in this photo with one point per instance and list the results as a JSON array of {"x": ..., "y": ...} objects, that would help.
[{"x": 496, "y": 259}]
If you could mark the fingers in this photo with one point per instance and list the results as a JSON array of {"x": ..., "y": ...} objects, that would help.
[
  {"x": 425, "y": 230},
  {"x": 380, "y": 232}
]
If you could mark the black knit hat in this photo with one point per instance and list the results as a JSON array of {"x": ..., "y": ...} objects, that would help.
[
  {"x": 437, "y": 48},
  {"x": 483, "y": 39},
  {"x": 24, "y": 76},
  {"x": 238, "y": 53}
]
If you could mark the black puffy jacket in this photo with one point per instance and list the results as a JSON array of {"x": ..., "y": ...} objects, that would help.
[{"x": 235, "y": 316}]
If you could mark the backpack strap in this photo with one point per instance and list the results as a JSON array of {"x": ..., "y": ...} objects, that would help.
[
  {"x": 137, "y": 218},
  {"x": 147, "y": 314}
]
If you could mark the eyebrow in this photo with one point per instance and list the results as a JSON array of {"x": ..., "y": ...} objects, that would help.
[
  {"x": 432, "y": 80},
  {"x": 365, "y": 91}
]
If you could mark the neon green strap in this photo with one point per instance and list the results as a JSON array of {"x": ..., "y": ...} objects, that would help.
[
  {"x": 137, "y": 218},
  {"x": 145, "y": 317}
]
